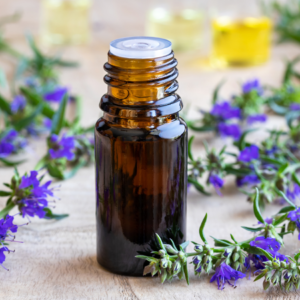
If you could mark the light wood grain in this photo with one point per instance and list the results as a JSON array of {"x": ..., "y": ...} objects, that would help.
[{"x": 58, "y": 259}]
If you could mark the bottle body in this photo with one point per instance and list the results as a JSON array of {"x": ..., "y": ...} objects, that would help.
[{"x": 141, "y": 162}]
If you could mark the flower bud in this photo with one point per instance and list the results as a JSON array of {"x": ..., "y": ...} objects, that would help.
[
  {"x": 197, "y": 259},
  {"x": 236, "y": 265},
  {"x": 268, "y": 263},
  {"x": 292, "y": 265},
  {"x": 276, "y": 264},
  {"x": 266, "y": 284},
  {"x": 235, "y": 256},
  {"x": 288, "y": 285},
  {"x": 162, "y": 252},
  {"x": 237, "y": 248},
  {"x": 206, "y": 247},
  {"x": 292, "y": 226},
  {"x": 276, "y": 277},
  {"x": 268, "y": 275},
  {"x": 180, "y": 274},
  {"x": 242, "y": 259},
  {"x": 176, "y": 267},
  {"x": 198, "y": 248},
  {"x": 283, "y": 264},
  {"x": 181, "y": 255},
  {"x": 297, "y": 283},
  {"x": 164, "y": 263}
]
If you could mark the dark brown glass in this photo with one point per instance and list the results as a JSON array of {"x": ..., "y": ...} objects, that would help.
[{"x": 141, "y": 162}]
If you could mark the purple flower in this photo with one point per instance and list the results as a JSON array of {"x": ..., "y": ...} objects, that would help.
[
  {"x": 249, "y": 154},
  {"x": 47, "y": 123},
  {"x": 62, "y": 148},
  {"x": 250, "y": 180},
  {"x": 225, "y": 111},
  {"x": 34, "y": 195},
  {"x": 251, "y": 85},
  {"x": 6, "y": 229},
  {"x": 217, "y": 182},
  {"x": 295, "y": 106},
  {"x": 294, "y": 216},
  {"x": 256, "y": 118},
  {"x": 232, "y": 130},
  {"x": 56, "y": 95},
  {"x": 224, "y": 273},
  {"x": 18, "y": 104},
  {"x": 258, "y": 261},
  {"x": 267, "y": 220},
  {"x": 10, "y": 143},
  {"x": 268, "y": 244},
  {"x": 294, "y": 193}
]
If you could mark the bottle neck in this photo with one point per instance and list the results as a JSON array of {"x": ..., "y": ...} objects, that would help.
[{"x": 140, "y": 81}]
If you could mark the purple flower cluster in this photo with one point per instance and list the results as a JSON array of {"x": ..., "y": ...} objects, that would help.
[
  {"x": 216, "y": 181},
  {"x": 295, "y": 106},
  {"x": 269, "y": 244},
  {"x": 249, "y": 153},
  {"x": 294, "y": 216},
  {"x": 34, "y": 201},
  {"x": 10, "y": 143},
  {"x": 18, "y": 104},
  {"x": 224, "y": 111},
  {"x": 229, "y": 130},
  {"x": 56, "y": 95},
  {"x": 250, "y": 180},
  {"x": 259, "y": 118},
  {"x": 224, "y": 274},
  {"x": 252, "y": 85},
  {"x": 62, "y": 148},
  {"x": 6, "y": 229}
]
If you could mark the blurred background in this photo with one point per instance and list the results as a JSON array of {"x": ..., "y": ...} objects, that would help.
[{"x": 212, "y": 40}]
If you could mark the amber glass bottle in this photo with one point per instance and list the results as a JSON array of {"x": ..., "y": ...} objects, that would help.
[{"x": 141, "y": 154}]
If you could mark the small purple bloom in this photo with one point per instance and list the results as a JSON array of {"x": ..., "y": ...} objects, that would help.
[
  {"x": 267, "y": 220},
  {"x": 11, "y": 143},
  {"x": 229, "y": 130},
  {"x": 225, "y": 111},
  {"x": 295, "y": 106},
  {"x": 18, "y": 104},
  {"x": 250, "y": 180},
  {"x": 47, "y": 123},
  {"x": 256, "y": 118},
  {"x": 216, "y": 181},
  {"x": 224, "y": 273},
  {"x": 258, "y": 261},
  {"x": 249, "y": 154},
  {"x": 268, "y": 244},
  {"x": 56, "y": 95},
  {"x": 294, "y": 215},
  {"x": 34, "y": 201},
  {"x": 251, "y": 85},
  {"x": 63, "y": 147}
]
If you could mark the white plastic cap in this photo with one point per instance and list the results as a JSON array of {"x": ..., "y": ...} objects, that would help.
[{"x": 140, "y": 47}]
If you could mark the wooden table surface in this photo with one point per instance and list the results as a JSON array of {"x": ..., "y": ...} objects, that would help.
[{"x": 58, "y": 259}]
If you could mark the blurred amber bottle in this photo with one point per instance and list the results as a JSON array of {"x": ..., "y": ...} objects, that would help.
[
  {"x": 66, "y": 21},
  {"x": 241, "y": 36},
  {"x": 181, "y": 23}
]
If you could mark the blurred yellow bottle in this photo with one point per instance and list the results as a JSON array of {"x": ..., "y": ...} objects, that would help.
[
  {"x": 66, "y": 21},
  {"x": 182, "y": 28},
  {"x": 244, "y": 41}
]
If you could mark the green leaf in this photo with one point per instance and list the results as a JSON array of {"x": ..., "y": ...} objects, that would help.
[
  {"x": 58, "y": 118},
  {"x": 5, "y": 106},
  {"x": 256, "y": 208},
  {"x": 221, "y": 243},
  {"x": 297, "y": 256},
  {"x": 5, "y": 211},
  {"x": 232, "y": 237},
  {"x": 241, "y": 144},
  {"x": 266, "y": 254},
  {"x": 261, "y": 275},
  {"x": 186, "y": 273},
  {"x": 280, "y": 220},
  {"x": 51, "y": 215},
  {"x": 203, "y": 128},
  {"x": 25, "y": 122},
  {"x": 229, "y": 169},
  {"x": 162, "y": 246},
  {"x": 5, "y": 194},
  {"x": 11, "y": 163},
  {"x": 198, "y": 186},
  {"x": 280, "y": 193},
  {"x": 148, "y": 258},
  {"x": 190, "y": 148},
  {"x": 73, "y": 171},
  {"x": 295, "y": 178},
  {"x": 253, "y": 229},
  {"x": 216, "y": 91},
  {"x": 184, "y": 245},
  {"x": 201, "y": 229},
  {"x": 55, "y": 172}
]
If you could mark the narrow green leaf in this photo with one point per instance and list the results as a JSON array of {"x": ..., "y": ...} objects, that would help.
[
  {"x": 280, "y": 193},
  {"x": 256, "y": 208},
  {"x": 11, "y": 163},
  {"x": 58, "y": 118},
  {"x": 232, "y": 237},
  {"x": 221, "y": 243},
  {"x": 162, "y": 246},
  {"x": 25, "y": 122},
  {"x": 261, "y": 275},
  {"x": 184, "y": 245},
  {"x": 148, "y": 258},
  {"x": 286, "y": 209},
  {"x": 5, "y": 211},
  {"x": 190, "y": 148},
  {"x": 280, "y": 220},
  {"x": 198, "y": 186},
  {"x": 5, "y": 106},
  {"x": 201, "y": 229},
  {"x": 74, "y": 170},
  {"x": 266, "y": 254},
  {"x": 51, "y": 215},
  {"x": 216, "y": 91},
  {"x": 201, "y": 128},
  {"x": 253, "y": 229},
  {"x": 5, "y": 194},
  {"x": 186, "y": 273},
  {"x": 55, "y": 171}
]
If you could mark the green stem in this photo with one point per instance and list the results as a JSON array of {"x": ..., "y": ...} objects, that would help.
[{"x": 7, "y": 209}]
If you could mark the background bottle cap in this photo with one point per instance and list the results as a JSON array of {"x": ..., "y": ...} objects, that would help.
[{"x": 140, "y": 47}]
